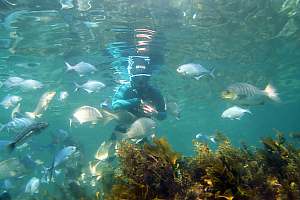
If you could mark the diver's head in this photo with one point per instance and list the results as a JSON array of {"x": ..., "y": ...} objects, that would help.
[
  {"x": 139, "y": 74},
  {"x": 140, "y": 81}
]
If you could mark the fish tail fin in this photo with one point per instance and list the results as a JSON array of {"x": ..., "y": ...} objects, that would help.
[
  {"x": 271, "y": 92},
  {"x": 248, "y": 111},
  {"x": 211, "y": 73},
  {"x": 11, "y": 147},
  {"x": 31, "y": 115},
  {"x": 77, "y": 86},
  {"x": 69, "y": 67},
  {"x": 109, "y": 116}
]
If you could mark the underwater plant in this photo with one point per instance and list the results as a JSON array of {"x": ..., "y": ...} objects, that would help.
[{"x": 155, "y": 171}]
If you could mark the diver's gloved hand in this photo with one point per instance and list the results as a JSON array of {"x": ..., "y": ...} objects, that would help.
[{"x": 148, "y": 109}]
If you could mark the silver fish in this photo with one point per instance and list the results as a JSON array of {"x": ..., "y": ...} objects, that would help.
[
  {"x": 91, "y": 114},
  {"x": 59, "y": 158},
  {"x": 205, "y": 138},
  {"x": 247, "y": 94},
  {"x": 30, "y": 84},
  {"x": 90, "y": 86},
  {"x": 13, "y": 82},
  {"x": 82, "y": 68},
  {"x": 10, "y": 101},
  {"x": 234, "y": 112},
  {"x": 105, "y": 150},
  {"x": 195, "y": 70},
  {"x": 142, "y": 127},
  {"x": 42, "y": 105},
  {"x": 32, "y": 186}
]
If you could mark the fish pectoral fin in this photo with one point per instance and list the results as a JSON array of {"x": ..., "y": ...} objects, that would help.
[
  {"x": 198, "y": 77},
  {"x": 89, "y": 91}
]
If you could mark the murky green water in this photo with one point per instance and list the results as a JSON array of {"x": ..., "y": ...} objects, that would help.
[{"x": 245, "y": 41}]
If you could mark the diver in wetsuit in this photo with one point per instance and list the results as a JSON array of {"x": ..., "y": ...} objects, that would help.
[{"x": 138, "y": 96}]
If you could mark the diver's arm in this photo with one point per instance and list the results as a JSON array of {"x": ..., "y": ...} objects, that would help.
[{"x": 119, "y": 102}]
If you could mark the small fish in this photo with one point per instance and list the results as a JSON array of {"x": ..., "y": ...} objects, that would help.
[
  {"x": 63, "y": 95},
  {"x": 66, "y": 4},
  {"x": 60, "y": 157},
  {"x": 196, "y": 71},
  {"x": 205, "y": 138},
  {"x": 141, "y": 128},
  {"x": 90, "y": 114},
  {"x": 10, "y": 101},
  {"x": 82, "y": 68},
  {"x": 11, "y": 167},
  {"x": 30, "y": 84},
  {"x": 42, "y": 105},
  {"x": 32, "y": 186},
  {"x": 90, "y": 86},
  {"x": 17, "y": 124},
  {"x": 235, "y": 112},
  {"x": 13, "y": 82},
  {"x": 28, "y": 132},
  {"x": 104, "y": 151},
  {"x": 246, "y": 94}
]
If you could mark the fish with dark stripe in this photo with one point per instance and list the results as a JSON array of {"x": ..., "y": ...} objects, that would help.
[{"x": 28, "y": 132}]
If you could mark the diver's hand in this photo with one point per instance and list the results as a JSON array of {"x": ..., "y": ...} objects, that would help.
[{"x": 149, "y": 110}]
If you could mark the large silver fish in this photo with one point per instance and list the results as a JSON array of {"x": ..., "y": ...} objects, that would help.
[
  {"x": 194, "y": 70},
  {"x": 30, "y": 84},
  {"x": 90, "y": 86},
  {"x": 247, "y": 94},
  {"x": 91, "y": 114},
  {"x": 82, "y": 68},
  {"x": 141, "y": 128},
  {"x": 42, "y": 105}
]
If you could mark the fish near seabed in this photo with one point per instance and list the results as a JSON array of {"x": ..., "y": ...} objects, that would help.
[
  {"x": 235, "y": 112},
  {"x": 141, "y": 128},
  {"x": 42, "y": 105},
  {"x": 196, "y": 71},
  {"x": 247, "y": 94}
]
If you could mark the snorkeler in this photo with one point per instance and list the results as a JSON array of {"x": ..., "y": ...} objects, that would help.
[{"x": 138, "y": 97}]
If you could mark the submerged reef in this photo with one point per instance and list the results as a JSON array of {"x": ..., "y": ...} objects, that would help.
[{"x": 155, "y": 171}]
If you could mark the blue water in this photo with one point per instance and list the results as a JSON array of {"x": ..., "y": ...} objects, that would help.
[{"x": 245, "y": 41}]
